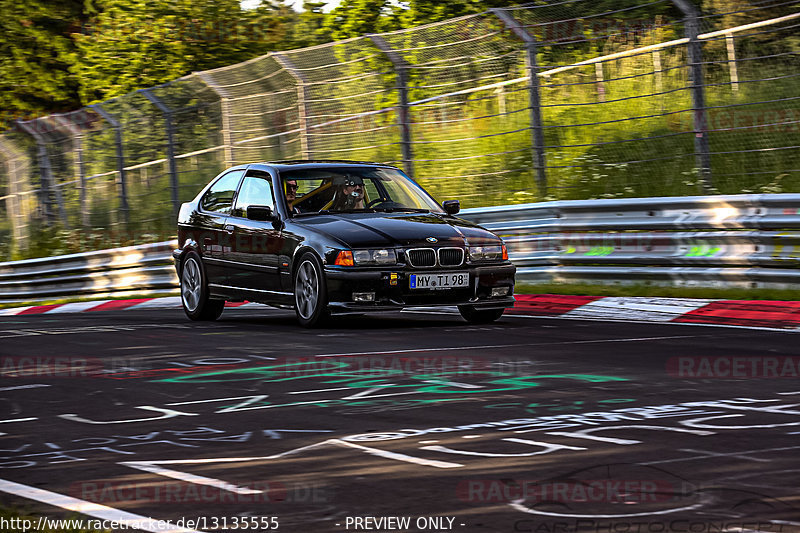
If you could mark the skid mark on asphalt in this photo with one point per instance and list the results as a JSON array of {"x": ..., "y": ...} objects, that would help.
[{"x": 519, "y": 345}]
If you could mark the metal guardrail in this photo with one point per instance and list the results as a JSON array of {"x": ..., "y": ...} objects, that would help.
[
  {"x": 712, "y": 241},
  {"x": 141, "y": 268}
]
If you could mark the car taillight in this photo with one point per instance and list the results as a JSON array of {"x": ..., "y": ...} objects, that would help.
[
  {"x": 505, "y": 253},
  {"x": 344, "y": 258}
]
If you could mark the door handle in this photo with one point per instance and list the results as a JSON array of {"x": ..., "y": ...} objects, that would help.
[{"x": 229, "y": 228}]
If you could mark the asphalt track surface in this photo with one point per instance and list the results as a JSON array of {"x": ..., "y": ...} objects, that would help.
[{"x": 527, "y": 424}]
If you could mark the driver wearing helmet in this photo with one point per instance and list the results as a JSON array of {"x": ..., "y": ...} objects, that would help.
[{"x": 349, "y": 193}]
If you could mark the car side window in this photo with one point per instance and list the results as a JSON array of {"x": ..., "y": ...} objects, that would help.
[
  {"x": 219, "y": 197},
  {"x": 255, "y": 190}
]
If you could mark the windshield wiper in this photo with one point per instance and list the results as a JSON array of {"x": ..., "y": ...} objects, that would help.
[
  {"x": 403, "y": 209},
  {"x": 307, "y": 213}
]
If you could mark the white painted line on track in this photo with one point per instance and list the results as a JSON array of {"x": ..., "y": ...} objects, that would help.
[
  {"x": 634, "y": 321},
  {"x": 18, "y": 420},
  {"x": 31, "y": 386},
  {"x": 96, "y": 510},
  {"x": 398, "y": 456}
]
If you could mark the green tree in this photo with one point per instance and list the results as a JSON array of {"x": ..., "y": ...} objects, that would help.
[
  {"x": 308, "y": 27},
  {"x": 353, "y": 18},
  {"x": 35, "y": 53},
  {"x": 131, "y": 44}
]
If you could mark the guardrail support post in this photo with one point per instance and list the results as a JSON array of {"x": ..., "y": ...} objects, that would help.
[
  {"x": 534, "y": 95},
  {"x": 170, "y": 127},
  {"x": 403, "y": 114},
  {"x": 302, "y": 103},
  {"x": 225, "y": 111},
  {"x": 48, "y": 184},
  {"x": 701, "y": 147},
  {"x": 123, "y": 182}
]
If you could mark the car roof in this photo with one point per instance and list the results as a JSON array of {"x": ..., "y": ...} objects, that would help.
[{"x": 303, "y": 164}]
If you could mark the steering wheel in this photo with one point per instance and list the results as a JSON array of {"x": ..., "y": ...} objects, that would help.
[{"x": 377, "y": 201}]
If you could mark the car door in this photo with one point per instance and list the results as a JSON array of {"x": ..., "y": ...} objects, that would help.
[
  {"x": 215, "y": 209},
  {"x": 253, "y": 259}
]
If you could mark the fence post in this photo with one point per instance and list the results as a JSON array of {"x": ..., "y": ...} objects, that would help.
[
  {"x": 701, "y": 147},
  {"x": 48, "y": 184},
  {"x": 302, "y": 103},
  {"x": 732, "y": 61},
  {"x": 14, "y": 202},
  {"x": 535, "y": 99},
  {"x": 403, "y": 110},
  {"x": 170, "y": 127},
  {"x": 123, "y": 182},
  {"x": 77, "y": 144},
  {"x": 224, "y": 102}
]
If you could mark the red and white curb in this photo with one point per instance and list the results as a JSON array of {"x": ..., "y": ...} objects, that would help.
[
  {"x": 769, "y": 314},
  {"x": 743, "y": 313},
  {"x": 170, "y": 302}
]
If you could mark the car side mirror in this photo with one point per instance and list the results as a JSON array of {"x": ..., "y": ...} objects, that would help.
[
  {"x": 261, "y": 213},
  {"x": 451, "y": 207}
]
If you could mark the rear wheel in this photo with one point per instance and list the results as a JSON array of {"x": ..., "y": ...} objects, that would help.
[
  {"x": 194, "y": 291},
  {"x": 479, "y": 316},
  {"x": 310, "y": 292}
]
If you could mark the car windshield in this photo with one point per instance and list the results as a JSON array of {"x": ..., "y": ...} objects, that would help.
[{"x": 358, "y": 189}]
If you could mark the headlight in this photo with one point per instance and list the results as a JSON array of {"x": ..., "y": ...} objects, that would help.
[
  {"x": 487, "y": 253},
  {"x": 375, "y": 257}
]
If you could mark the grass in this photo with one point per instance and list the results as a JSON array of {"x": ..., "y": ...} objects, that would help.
[{"x": 659, "y": 292}]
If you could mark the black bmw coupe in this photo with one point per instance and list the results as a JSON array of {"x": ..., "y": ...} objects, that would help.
[{"x": 338, "y": 237}]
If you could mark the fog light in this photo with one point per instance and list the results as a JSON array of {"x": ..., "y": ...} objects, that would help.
[
  {"x": 499, "y": 291},
  {"x": 363, "y": 296}
]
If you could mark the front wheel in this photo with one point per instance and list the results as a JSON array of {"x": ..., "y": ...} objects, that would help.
[
  {"x": 194, "y": 291},
  {"x": 479, "y": 316},
  {"x": 310, "y": 292}
]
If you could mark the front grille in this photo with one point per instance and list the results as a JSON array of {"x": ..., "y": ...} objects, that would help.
[
  {"x": 451, "y": 256},
  {"x": 422, "y": 257}
]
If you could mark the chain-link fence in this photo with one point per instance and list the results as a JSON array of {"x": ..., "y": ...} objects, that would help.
[{"x": 564, "y": 100}]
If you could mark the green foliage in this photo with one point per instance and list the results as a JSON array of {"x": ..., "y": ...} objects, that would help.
[
  {"x": 35, "y": 55},
  {"x": 132, "y": 44},
  {"x": 308, "y": 28},
  {"x": 353, "y": 18}
]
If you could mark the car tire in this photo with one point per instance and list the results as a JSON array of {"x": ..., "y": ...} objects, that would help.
[
  {"x": 479, "y": 316},
  {"x": 194, "y": 291},
  {"x": 310, "y": 292}
]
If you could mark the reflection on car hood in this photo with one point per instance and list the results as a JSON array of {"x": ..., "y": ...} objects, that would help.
[{"x": 368, "y": 230}]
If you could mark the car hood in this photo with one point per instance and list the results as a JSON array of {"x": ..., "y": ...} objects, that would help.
[{"x": 370, "y": 230}]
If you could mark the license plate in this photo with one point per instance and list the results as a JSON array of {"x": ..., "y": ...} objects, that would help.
[{"x": 445, "y": 280}]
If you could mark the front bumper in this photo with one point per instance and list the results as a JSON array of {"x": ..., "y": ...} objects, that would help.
[{"x": 344, "y": 281}]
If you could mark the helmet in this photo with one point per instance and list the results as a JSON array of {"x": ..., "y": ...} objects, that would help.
[{"x": 347, "y": 180}]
